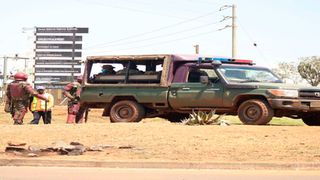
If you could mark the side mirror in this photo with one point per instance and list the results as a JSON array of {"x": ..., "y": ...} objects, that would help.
[{"x": 204, "y": 79}]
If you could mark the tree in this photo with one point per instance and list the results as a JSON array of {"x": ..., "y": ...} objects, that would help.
[
  {"x": 309, "y": 69},
  {"x": 288, "y": 71}
]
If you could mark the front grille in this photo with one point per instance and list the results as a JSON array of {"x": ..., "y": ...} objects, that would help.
[{"x": 314, "y": 94}]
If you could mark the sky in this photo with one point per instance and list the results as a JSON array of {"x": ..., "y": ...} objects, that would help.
[{"x": 283, "y": 30}]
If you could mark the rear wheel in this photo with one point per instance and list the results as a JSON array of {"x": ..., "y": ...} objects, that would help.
[
  {"x": 311, "y": 119},
  {"x": 126, "y": 111},
  {"x": 255, "y": 112}
]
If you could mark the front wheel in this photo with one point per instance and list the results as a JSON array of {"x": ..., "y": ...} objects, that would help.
[
  {"x": 126, "y": 111},
  {"x": 255, "y": 112},
  {"x": 311, "y": 119}
]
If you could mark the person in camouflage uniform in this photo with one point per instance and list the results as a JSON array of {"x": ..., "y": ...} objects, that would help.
[
  {"x": 132, "y": 69},
  {"x": 18, "y": 97},
  {"x": 72, "y": 92}
]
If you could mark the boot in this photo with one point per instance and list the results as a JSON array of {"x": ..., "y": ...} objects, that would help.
[
  {"x": 71, "y": 118},
  {"x": 17, "y": 122}
]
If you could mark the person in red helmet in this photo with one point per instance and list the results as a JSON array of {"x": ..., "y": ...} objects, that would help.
[
  {"x": 18, "y": 95},
  {"x": 72, "y": 92}
]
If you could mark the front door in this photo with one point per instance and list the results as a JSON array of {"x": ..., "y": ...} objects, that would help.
[{"x": 194, "y": 94}]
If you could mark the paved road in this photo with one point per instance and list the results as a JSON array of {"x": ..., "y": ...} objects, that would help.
[{"x": 37, "y": 173}]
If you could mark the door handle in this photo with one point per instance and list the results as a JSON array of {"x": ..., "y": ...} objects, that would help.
[
  {"x": 185, "y": 88},
  {"x": 100, "y": 93}
]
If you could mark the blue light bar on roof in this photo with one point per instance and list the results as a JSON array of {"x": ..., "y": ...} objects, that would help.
[
  {"x": 214, "y": 59},
  {"x": 226, "y": 60},
  {"x": 221, "y": 59}
]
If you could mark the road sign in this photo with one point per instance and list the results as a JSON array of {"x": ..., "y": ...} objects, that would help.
[
  {"x": 54, "y": 78},
  {"x": 57, "y": 54},
  {"x": 58, "y": 38},
  {"x": 61, "y": 30},
  {"x": 57, "y": 62},
  {"x": 57, "y": 70},
  {"x": 52, "y": 85},
  {"x": 58, "y": 46}
]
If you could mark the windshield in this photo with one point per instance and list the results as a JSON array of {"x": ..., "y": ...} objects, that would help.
[{"x": 248, "y": 74}]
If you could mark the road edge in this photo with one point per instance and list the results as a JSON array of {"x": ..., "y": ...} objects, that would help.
[{"x": 164, "y": 165}]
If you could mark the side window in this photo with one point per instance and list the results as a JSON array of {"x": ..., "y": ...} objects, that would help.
[
  {"x": 128, "y": 72},
  {"x": 102, "y": 72},
  {"x": 195, "y": 74}
]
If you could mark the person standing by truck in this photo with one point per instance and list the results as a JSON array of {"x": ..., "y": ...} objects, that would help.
[
  {"x": 41, "y": 108},
  {"x": 18, "y": 97},
  {"x": 72, "y": 92}
]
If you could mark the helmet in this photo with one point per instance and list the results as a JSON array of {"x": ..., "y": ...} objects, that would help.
[
  {"x": 79, "y": 78},
  {"x": 107, "y": 67},
  {"x": 41, "y": 88},
  {"x": 21, "y": 76}
]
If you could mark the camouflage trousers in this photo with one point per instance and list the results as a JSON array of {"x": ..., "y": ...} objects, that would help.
[
  {"x": 20, "y": 108},
  {"x": 75, "y": 108}
]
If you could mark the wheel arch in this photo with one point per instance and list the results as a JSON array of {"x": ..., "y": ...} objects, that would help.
[{"x": 240, "y": 99}]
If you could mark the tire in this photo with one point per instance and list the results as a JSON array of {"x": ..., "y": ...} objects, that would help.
[
  {"x": 311, "y": 119},
  {"x": 126, "y": 111},
  {"x": 175, "y": 117},
  {"x": 255, "y": 112}
]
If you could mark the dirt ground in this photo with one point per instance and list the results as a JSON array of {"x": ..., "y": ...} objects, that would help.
[{"x": 159, "y": 140}]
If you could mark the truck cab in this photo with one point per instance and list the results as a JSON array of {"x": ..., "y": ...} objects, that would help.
[{"x": 172, "y": 86}]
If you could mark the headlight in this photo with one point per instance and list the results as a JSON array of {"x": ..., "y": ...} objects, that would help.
[{"x": 284, "y": 93}]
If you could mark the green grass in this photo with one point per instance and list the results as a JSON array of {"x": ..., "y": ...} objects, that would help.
[
  {"x": 284, "y": 121},
  {"x": 234, "y": 120}
]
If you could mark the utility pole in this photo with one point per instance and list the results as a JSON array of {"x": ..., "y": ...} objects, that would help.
[
  {"x": 5, "y": 69},
  {"x": 25, "y": 61},
  {"x": 196, "y": 48},
  {"x": 73, "y": 51},
  {"x": 4, "y": 80},
  {"x": 233, "y": 26},
  {"x": 234, "y": 31}
]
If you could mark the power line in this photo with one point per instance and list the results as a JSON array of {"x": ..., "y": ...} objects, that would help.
[
  {"x": 253, "y": 42},
  {"x": 149, "y": 3},
  {"x": 205, "y": 2},
  {"x": 162, "y": 42},
  {"x": 159, "y": 36},
  {"x": 131, "y": 9},
  {"x": 154, "y": 30}
]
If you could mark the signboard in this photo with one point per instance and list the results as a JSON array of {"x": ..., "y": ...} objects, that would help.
[
  {"x": 59, "y": 46},
  {"x": 57, "y": 61},
  {"x": 57, "y": 54},
  {"x": 54, "y": 78},
  {"x": 57, "y": 70},
  {"x": 58, "y": 38},
  {"x": 61, "y": 30},
  {"x": 51, "y": 85}
]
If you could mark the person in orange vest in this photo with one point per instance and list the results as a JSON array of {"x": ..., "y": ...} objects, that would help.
[{"x": 41, "y": 108}]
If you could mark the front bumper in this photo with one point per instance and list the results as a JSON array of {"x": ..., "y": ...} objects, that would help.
[{"x": 304, "y": 105}]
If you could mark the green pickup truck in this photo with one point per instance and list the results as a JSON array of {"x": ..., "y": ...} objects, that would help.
[{"x": 133, "y": 87}]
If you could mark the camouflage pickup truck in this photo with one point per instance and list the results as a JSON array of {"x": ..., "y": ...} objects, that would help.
[{"x": 133, "y": 87}]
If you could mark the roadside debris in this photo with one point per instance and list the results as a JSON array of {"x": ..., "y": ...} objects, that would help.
[
  {"x": 10, "y": 143},
  {"x": 56, "y": 148},
  {"x": 126, "y": 147}
]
